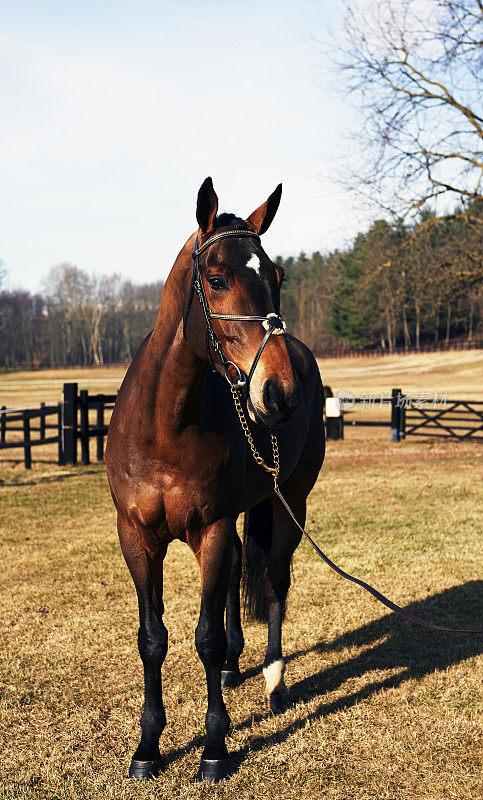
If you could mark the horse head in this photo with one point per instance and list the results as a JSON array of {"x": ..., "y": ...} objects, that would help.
[{"x": 237, "y": 321}]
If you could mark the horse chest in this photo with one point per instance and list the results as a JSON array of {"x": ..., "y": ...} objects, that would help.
[{"x": 185, "y": 496}]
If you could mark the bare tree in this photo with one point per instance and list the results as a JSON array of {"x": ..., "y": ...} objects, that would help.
[
  {"x": 76, "y": 294},
  {"x": 414, "y": 67}
]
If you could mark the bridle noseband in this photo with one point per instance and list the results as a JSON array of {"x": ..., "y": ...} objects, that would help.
[{"x": 272, "y": 322}]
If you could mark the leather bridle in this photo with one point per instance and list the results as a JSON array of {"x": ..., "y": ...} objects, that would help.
[{"x": 272, "y": 322}]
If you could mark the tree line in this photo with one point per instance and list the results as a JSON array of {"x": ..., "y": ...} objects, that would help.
[
  {"x": 76, "y": 319},
  {"x": 397, "y": 284}
]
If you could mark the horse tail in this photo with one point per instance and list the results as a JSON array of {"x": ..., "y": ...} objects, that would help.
[{"x": 257, "y": 540}]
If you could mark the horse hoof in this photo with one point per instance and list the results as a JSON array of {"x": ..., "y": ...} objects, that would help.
[
  {"x": 145, "y": 770},
  {"x": 277, "y": 703},
  {"x": 230, "y": 679},
  {"x": 214, "y": 770}
]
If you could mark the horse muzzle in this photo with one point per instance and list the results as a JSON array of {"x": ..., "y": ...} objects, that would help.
[{"x": 279, "y": 404}]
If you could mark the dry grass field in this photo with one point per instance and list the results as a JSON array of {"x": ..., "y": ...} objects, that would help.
[
  {"x": 24, "y": 388},
  {"x": 379, "y": 707},
  {"x": 460, "y": 374}
]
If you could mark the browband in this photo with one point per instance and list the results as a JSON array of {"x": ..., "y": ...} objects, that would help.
[{"x": 225, "y": 235}]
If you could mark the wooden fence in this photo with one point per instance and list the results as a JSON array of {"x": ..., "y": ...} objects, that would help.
[
  {"x": 78, "y": 426},
  {"x": 82, "y": 416},
  {"x": 459, "y": 419},
  {"x": 417, "y": 416},
  {"x": 66, "y": 424},
  {"x": 9, "y": 423}
]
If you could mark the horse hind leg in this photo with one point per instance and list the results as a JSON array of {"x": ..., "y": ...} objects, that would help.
[
  {"x": 147, "y": 573},
  {"x": 230, "y": 672}
]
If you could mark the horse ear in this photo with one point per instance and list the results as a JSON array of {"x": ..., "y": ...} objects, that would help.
[
  {"x": 262, "y": 218},
  {"x": 207, "y": 206}
]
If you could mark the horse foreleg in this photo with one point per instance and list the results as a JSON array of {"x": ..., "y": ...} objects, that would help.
[
  {"x": 285, "y": 538},
  {"x": 215, "y": 558},
  {"x": 147, "y": 574},
  {"x": 230, "y": 673}
]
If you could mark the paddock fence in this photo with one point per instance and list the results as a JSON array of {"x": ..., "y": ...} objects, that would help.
[
  {"x": 423, "y": 415},
  {"x": 80, "y": 417},
  {"x": 70, "y": 424},
  {"x": 45, "y": 421}
]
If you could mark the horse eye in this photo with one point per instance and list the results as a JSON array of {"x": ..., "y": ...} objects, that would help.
[{"x": 218, "y": 283}]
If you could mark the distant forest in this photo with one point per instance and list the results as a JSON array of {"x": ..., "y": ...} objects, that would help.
[{"x": 396, "y": 285}]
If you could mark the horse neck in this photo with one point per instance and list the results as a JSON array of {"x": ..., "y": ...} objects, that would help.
[{"x": 171, "y": 378}]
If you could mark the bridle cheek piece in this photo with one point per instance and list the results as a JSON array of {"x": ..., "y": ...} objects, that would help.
[{"x": 272, "y": 322}]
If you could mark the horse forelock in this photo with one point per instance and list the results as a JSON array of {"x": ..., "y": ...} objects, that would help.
[{"x": 232, "y": 222}]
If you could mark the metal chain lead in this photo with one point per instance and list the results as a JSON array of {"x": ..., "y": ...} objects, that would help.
[{"x": 274, "y": 471}]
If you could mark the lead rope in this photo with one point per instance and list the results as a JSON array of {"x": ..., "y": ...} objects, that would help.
[{"x": 274, "y": 472}]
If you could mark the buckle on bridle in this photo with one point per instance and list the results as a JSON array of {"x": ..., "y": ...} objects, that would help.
[{"x": 241, "y": 381}]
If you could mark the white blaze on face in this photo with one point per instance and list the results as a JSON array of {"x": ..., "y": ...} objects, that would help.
[
  {"x": 260, "y": 376},
  {"x": 254, "y": 263},
  {"x": 257, "y": 384}
]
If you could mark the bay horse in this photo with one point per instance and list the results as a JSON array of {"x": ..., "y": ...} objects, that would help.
[{"x": 180, "y": 465}]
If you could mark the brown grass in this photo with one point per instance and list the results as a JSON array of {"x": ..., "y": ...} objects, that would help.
[
  {"x": 460, "y": 374},
  {"x": 380, "y": 708},
  {"x": 25, "y": 388}
]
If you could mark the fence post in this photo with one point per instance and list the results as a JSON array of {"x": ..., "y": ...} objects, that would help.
[
  {"x": 396, "y": 415},
  {"x": 100, "y": 436},
  {"x": 69, "y": 428},
  {"x": 42, "y": 421},
  {"x": 84, "y": 425},
  {"x": 60, "y": 449},
  {"x": 26, "y": 440},
  {"x": 3, "y": 424}
]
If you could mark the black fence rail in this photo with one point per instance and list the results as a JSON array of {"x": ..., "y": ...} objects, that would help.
[{"x": 459, "y": 419}]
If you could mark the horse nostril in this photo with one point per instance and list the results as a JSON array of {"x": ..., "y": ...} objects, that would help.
[
  {"x": 273, "y": 398},
  {"x": 279, "y": 404}
]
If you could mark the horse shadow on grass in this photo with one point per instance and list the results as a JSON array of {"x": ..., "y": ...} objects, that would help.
[{"x": 418, "y": 651}]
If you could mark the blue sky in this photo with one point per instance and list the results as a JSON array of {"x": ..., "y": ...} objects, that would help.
[{"x": 113, "y": 113}]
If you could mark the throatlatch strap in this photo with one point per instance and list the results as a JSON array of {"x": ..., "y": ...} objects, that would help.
[{"x": 190, "y": 300}]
